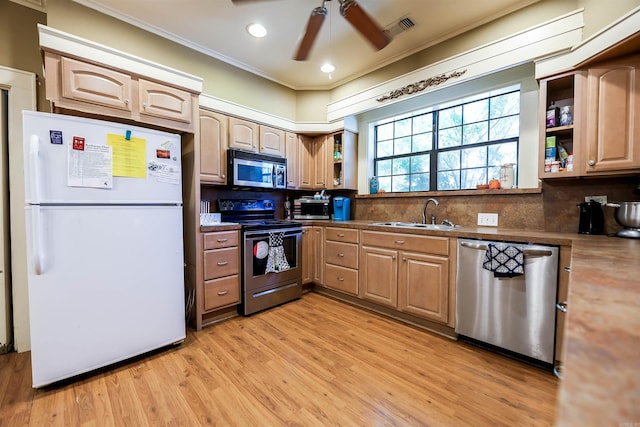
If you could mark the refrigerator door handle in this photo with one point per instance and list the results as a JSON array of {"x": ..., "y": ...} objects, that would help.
[
  {"x": 36, "y": 241},
  {"x": 34, "y": 169}
]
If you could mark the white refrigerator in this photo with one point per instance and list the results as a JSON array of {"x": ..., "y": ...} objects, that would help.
[{"x": 104, "y": 243}]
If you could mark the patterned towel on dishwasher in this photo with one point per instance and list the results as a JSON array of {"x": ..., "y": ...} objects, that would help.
[
  {"x": 277, "y": 260},
  {"x": 504, "y": 260}
]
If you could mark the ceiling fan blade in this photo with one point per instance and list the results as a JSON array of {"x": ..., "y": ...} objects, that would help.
[
  {"x": 310, "y": 33},
  {"x": 362, "y": 22}
]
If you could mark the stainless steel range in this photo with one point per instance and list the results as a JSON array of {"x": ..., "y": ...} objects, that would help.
[{"x": 270, "y": 254}]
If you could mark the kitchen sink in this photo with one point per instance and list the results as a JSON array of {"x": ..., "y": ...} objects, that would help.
[{"x": 441, "y": 227}]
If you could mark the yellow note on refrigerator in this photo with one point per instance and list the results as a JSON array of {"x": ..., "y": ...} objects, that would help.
[{"x": 129, "y": 156}]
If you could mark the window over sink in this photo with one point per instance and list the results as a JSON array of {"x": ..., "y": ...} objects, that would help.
[{"x": 452, "y": 146}]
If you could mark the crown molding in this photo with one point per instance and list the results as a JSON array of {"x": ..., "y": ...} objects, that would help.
[{"x": 39, "y": 5}]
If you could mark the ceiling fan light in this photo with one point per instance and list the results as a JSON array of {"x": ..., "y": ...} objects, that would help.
[
  {"x": 256, "y": 30},
  {"x": 328, "y": 68}
]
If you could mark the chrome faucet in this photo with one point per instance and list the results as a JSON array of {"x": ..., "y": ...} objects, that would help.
[{"x": 424, "y": 211}]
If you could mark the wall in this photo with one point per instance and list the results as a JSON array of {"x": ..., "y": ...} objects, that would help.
[
  {"x": 554, "y": 209},
  {"x": 19, "y": 47}
]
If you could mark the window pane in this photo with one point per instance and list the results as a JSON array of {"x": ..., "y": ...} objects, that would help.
[
  {"x": 449, "y": 138},
  {"x": 385, "y": 149},
  {"x": 505, "y": 105},
  {"x": 383, "y": 167},
  {"x": 450, "y": 117},
  {"x": 385, "y": 131},
  {"x": 384, "y": 183},
  {"x": 400, "y": 183},
  {"x": 476, "y": 111},
  {"x": 402, "y": 146},
  {"x": 403, "y": 128},
  {"x": 420, "y": 182},
  {"x": 448, "y": 180},
  {"x": 472, "y": 177},
  {"x": 474, "y": 157},
  {"x": 507, "y": 127},
  {"x": 422, "y": 142},
  {"x": 401, "y": 166},
  {"x": 420, "y": 163},
  {"x": 423, "y": 123},
  {"x": 477, "y": 132},
  {"x": 448, "y": 160},
  {"x": 503, "y": 153}
]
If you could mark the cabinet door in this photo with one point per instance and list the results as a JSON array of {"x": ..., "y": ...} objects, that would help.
[
  {"x": 165, "y": 102},
  {"x": 272, "y": 141},
  {"x": 379, "y": 275},
  {"x": 291, "y": 153},
  {"x": 307, "y": 255},
  {"x": 213, "y": 147},
  {"x": 344, "y": 165},
  {"x": 321, "y": 160},
  {"x": 96, "y": 85},
  {"x": 243, "y": 134},
  {"x": 306, "y": 163},
  {"x": 318, "y": 255},
  {"x": 424, "y": 286},
  {"x": 613, "y": 114}
]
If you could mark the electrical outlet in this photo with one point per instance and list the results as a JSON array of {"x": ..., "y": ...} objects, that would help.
[
  {"x": 601, "y": 199},
  {"x": 490, "y": 219}
]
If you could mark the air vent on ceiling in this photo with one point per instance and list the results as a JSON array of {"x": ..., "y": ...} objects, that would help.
[{"x": 401, "y": 26}]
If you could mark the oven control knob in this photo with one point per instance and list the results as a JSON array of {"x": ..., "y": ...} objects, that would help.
[{"x": 268, "y": 204}]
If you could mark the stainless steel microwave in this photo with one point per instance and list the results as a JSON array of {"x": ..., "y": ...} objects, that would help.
[
  {"x": 308, "y": 208},
  {"x": 248, "y": 169}
]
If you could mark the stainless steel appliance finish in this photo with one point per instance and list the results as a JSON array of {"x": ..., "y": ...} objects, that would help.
[
  {"x": 518, "y": 313},
  {"x": 248, "y": 169},
  {"x": 261, "y": 289},
  {"x": 627, "y": 214},
  {"x": 310, "y": 208}
]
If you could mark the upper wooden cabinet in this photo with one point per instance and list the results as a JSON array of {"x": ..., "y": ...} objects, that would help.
[
  {"x": 613, "y": 116},
  {"x": 344, "y": 161},
  {"x": 292, "y": 147},
  {"x": 213, "y": 147},
  {"x": 306, "y": 162},
  {"x": 243, "y": 134},
  {"x": 271, "y": 141},
  {"x": 79, "y": 85}
]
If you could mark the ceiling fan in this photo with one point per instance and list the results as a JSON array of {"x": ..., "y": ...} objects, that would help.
[{"x": 352, "y": 12}]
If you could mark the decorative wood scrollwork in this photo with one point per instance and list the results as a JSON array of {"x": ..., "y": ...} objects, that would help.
[{"x": 421, "y": 85}]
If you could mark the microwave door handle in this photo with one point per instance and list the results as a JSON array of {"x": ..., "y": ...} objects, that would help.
[{"x": 273, "y": 175}]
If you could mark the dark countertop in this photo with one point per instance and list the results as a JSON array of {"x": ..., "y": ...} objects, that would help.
[{"x": 601, "y": 375}]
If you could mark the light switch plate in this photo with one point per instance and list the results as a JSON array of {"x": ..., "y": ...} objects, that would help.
[
  {"x": 601, "y": 199},
  {"x": 490, "y": 219}
]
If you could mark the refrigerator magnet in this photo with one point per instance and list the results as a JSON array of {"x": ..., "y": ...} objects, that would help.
[
  {"x": 78, "y": 143},
  {"x": 55, "y": 136}
]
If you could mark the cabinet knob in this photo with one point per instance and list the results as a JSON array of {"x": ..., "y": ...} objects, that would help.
[
  {"x": 393, "y": 257},
  {"x": 592, "y": 162},
  {"x": 126, "y": 101},
  {"x": 567, "y": 269},
  {"x": 223, "y": 176},
  {"x": 145, "y": 105},
  {"x": 562, "y": 306},
  {"x": 404, "y": 259}
]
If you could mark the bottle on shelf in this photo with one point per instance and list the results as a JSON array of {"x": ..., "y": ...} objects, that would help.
[{"x": 553, "y": 115}]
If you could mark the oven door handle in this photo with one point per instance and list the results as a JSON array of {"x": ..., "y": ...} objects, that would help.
[{"x": 260, "y": 234}]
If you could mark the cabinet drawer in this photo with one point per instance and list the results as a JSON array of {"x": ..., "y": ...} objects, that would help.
[
  {"x": 341, "y": 234},
  {"x": 221, "y": 292},
  {"x": 341, "y": 279},
  {"x": 222, "y": 239},
  {"x": 344, "y": 254},
  {"x": 407, "y": 242},
  {"x": 221, "y": 262}
]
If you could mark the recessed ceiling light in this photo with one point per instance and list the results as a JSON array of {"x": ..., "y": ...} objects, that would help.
[
  {"x": 327, "y": 68},
  {"x": 256, "y": 30}
]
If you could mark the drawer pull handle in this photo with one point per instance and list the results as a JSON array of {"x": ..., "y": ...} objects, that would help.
[
  {"x": 400, "y": 242},
  {"x": 340, "y": 234},
  {"x": 341, "y": 279},
  {"x": 222, "y": 293},
  {"x": 221, "y": 263},
  {"x": 222, "y": 240},
  {"x": 341, "y": 255}
]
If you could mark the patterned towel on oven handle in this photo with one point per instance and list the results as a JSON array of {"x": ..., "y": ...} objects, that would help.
[
  {"x": 277, "y": 260},
  {"x": 504, "y": 260}
]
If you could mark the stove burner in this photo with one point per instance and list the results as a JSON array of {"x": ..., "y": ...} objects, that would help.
[{"x": 252, "y": 214}]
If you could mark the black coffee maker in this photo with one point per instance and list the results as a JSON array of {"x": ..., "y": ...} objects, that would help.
[{"x": 591, "y": 218}]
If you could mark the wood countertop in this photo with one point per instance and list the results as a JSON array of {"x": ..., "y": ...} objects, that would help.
[{"x": 601, "y": 374}]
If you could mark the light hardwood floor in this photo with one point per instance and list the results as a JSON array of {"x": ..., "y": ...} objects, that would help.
[{"x": 311, "y": 362}]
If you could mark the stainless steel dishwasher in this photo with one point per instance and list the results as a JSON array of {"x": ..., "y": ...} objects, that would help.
[{"x": 518, "y": 313}]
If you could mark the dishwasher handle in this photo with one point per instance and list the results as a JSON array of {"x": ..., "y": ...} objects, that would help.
[{"x": 525, "y": 252}]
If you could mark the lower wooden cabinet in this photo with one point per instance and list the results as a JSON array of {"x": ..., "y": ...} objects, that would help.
[{"x": 379, "y": 275}]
